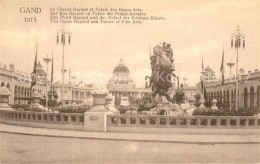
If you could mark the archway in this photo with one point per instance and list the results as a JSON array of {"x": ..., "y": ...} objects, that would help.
[
  {"x": 224, "y": 96},
  {"x": 245, "y": 97},
  {"x": 232, "y": 97},
  {"x": 25, "y": 94},
  {"x": 258, "y": 97},
  {"x": 19, "y": 95},
  {"x": 15, "y": 94},
  {"x": 252, "y": 97},
  {"x": 2, "y": 84},
  {"x": 22, "y": 95},
  {"x": 228, "y": 96},
  {"x": 220, "y": 96}
]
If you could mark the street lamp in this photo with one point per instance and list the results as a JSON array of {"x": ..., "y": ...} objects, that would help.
[
  {"x": 47, "y": 60},
  {"x": 230, "y": 64},
  {"x": 236, "y": 38},
  {"x": 63, "y": 35}
]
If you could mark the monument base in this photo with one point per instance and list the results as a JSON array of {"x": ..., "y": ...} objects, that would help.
[
  {"x": 95, "y": 121},
  {"x": 5, "y": 106}
]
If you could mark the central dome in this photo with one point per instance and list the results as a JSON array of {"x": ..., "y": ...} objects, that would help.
[{"x": 121, "y": 67}]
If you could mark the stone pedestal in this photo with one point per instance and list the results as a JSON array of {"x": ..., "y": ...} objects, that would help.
[
  {"x": 95, "y": 119},
  {"x": 214, "y": 102},
  {"x": 36, "y": 96},
  {"x": 4, "y": 99},
  {"x": 110, "y": 104},
  {"x": 192, "y": 100},
  {"x": 202, "y": 106}
]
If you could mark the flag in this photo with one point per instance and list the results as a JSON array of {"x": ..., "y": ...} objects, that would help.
[
  {"x": 202, "y": 66},
  {"x": 33, "y": 74},
  {"x": 222, "y": 68},
  {"x": 203, "y": 88}
]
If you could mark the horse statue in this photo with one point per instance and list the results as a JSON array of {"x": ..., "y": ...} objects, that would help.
[{"x": 162, "y": 71}]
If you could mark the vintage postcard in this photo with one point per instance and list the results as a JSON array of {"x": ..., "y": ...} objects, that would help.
[{"x": 175, "y": 81}]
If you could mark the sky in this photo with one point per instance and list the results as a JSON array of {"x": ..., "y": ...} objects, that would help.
[{"x": 194, "y": 28}]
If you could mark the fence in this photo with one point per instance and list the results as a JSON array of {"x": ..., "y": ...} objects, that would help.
[
  {"x": 133, "y": 123},
  {"x": 66, "y": 120},
  {"x": 184, "y": 122}
]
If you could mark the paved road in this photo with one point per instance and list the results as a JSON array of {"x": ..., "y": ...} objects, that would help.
[{"x": 16, "y": 148}]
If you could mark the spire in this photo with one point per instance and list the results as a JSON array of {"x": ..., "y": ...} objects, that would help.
[
  {"x": 202, "y": 65},
  {"x": 69, "y": 77},
  {"x": 34, "y": 68},
  {"x": 121, "y": 62}
]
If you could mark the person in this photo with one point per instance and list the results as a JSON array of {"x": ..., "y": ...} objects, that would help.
[
  {"x": 169, "y": 54},
  {"x": 179, "y": 95},
  {"x": 168, "y": 51}
]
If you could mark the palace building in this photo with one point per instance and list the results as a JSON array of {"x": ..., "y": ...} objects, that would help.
[
  {"x": 73, "y": 92},
  {"x": 248, "y": 88},
  {"x": 19, "y": 83}
]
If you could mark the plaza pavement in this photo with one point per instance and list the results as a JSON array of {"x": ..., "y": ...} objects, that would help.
[{"x": 142, "y": 137}]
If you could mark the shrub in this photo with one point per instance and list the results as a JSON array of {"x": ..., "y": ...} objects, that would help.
[{"x": 225, "y": 112}]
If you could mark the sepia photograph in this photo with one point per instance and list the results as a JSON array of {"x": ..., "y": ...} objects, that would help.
[{"x": 121, "y": 81}]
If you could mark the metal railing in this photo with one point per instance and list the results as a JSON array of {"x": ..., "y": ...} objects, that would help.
[{"x": 184, "y": 122}]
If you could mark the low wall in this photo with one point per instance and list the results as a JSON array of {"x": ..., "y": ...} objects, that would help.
[
  {"x": 138, "y": 123},
  {"x": 188, "y": 124},
  {"x": 71, "y": 121}
]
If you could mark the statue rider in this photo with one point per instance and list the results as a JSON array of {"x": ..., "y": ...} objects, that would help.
[{"x": 168, "y": 52}]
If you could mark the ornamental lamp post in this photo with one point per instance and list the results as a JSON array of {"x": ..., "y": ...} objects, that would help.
[
  {"x": 47, "y": 60},
  {"x": 62, "y": 36},
  {"x": 236, "y": 40},
  {"x": 230, "y": 64}
]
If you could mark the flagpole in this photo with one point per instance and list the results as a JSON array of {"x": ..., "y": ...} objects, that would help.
[
  {"x": 223, "y": 79},
  {"x": 47, "y": 60},
  {"x": 230, "y": 64},
  {"x": 202, "y": 78},
  {"x": 52, "y": 78}
]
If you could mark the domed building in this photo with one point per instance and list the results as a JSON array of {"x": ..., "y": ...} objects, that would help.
[
  {"x": 122, "y": 84},
  {"x": 121, "y": 77},
  {"x": 208, "y": 74}
]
